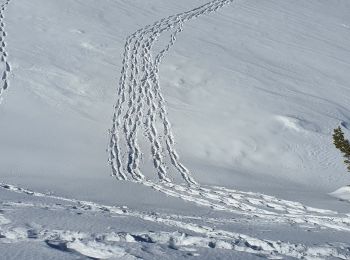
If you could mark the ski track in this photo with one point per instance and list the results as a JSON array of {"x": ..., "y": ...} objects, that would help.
[
  {"x": 6, "y": 66},
  {"x": 107, "y": 245}
]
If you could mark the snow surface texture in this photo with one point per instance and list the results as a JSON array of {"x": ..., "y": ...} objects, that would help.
[
  {"x": 342, "y": 193},
  {"x": 248, "y": 95},
  {"x": 6, "y": 65},
  {"x": 108, "y": 245},
  {"x": 139, "y": 87}
]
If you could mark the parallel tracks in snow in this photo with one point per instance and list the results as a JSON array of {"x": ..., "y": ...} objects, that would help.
[
  {"x": 140, "y": 103},
  {"x": 195, "y": 235},
  {"x": 140, "y": 106}
]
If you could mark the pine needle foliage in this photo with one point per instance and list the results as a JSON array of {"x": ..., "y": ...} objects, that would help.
[{"x": 343, "y": 145}]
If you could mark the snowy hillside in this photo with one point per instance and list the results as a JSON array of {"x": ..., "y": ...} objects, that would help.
[{"x": 166, "y": 129}]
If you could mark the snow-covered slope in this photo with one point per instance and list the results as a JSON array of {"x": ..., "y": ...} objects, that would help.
[{"x": 252, "y": 90}]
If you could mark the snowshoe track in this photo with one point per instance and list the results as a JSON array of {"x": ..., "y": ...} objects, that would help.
[
  {"x": 6, "y": 66},
  {"x": 106, "y": 245},
  {"x": 140, "y": 103},
  {"x": 264, "y": 208},
  {"x": 139, "y": 106}
]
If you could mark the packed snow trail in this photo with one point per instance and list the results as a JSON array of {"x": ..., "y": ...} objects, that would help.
[
  {"x": 107, "y": 245},
  {"x": 6, "y": 66},
  {"x": 263, "y": 207},
  {"x": 140, "y": 103}
]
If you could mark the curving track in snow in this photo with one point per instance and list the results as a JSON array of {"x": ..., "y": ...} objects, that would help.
[
  {"x": 6, "y": 66},
  {"x": 107, "y": 245},
  {"x": 264, "y": 208},
  {"x": 141, "y": 106}
]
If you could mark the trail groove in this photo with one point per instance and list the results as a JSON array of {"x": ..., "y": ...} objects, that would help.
[
  {"x": 4, "y": 55},
  {"x": 107, "y": 245},
  {"x": 140, "y": 106}
]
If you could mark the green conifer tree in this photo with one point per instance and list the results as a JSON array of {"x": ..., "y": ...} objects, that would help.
[{"x": 343, "y": 145}]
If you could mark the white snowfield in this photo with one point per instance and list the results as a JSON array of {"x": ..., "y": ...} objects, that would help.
[
  {"x": 188, "y": 237},
  {"x": 246, "y": 92}
]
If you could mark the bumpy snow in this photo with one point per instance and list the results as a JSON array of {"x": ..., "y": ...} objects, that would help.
[{"x": 173, "y": 129}]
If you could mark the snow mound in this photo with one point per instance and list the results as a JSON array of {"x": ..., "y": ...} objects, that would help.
[{"x": 342, "y": 193}]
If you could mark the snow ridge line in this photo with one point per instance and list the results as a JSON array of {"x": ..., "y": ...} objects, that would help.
[
  {"x": 139, "y": 91},
  {"x": 7, "y": 68},
  {"x": 205, "y": 236}
]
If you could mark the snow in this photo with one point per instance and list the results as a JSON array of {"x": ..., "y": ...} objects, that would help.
[
  {"x": 184, "y": 235},
  {"x": 221, "y": 145},
  {"x": 342, "y": 193}
]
